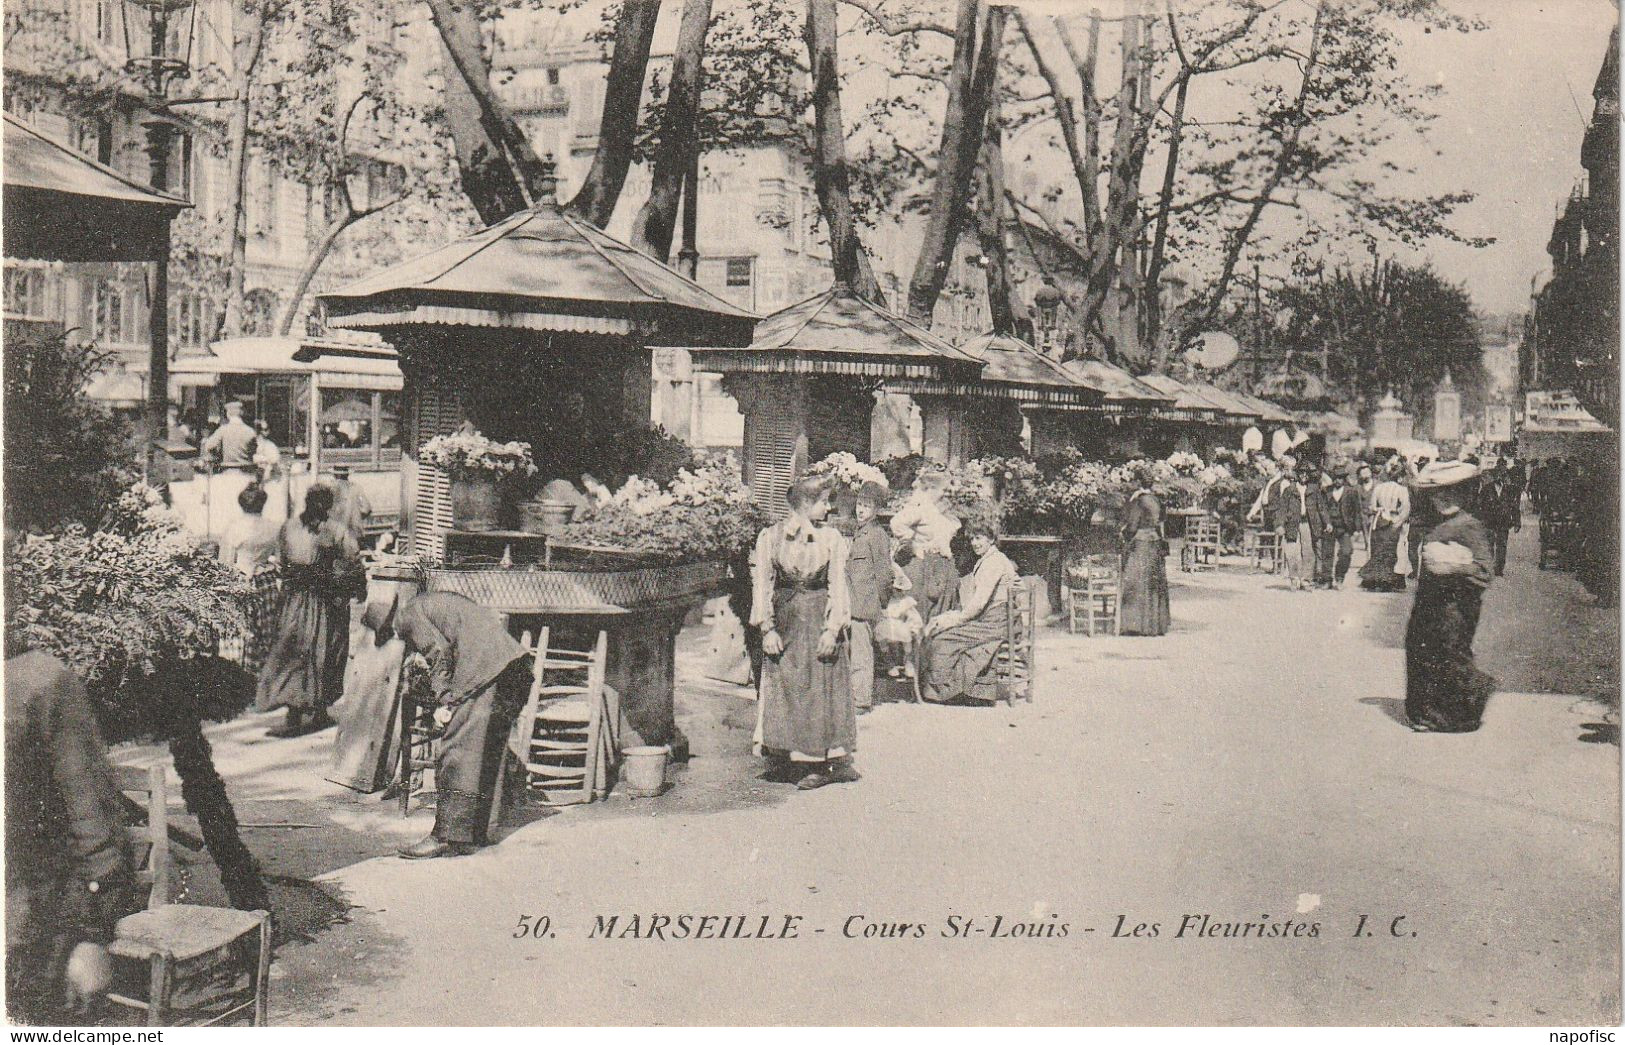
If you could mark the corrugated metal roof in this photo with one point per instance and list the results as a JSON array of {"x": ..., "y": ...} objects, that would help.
[
  {"x": 1115, "y": 383},
  {"x": 33, "y": 161},
  {"x": 540, "y": 259},
  {"x": 1013, "y": 361},
  {"x": 839, "y": 325},
  {"x": 1186, "y": 397}
]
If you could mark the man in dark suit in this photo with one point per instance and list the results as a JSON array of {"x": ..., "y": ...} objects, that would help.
[
  {"x": 481, "y": 677},
  {"x": 1297, "y": 543},
  {"x": 68, "y": 871},
  {"x": 1348, "y": 518},
  {"x": 1318, "y": 514},
  {"x": 1499, "y": 508}
]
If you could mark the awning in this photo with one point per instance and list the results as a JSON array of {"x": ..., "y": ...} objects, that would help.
[
  {"x": 547, "y": 271},
  {"x": 1015, "y": 370},
  {"x": 61, "y": 206},
  {"x": 838, "y": 332},
  {"x": 376, "y": 369}
]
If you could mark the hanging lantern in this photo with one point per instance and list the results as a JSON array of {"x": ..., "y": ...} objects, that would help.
[{"x": 158, "y": 40}]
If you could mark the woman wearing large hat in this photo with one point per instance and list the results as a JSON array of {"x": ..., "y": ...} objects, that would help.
[{"x": 1444, "y": 691}]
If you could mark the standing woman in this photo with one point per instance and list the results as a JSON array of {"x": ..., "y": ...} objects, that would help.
[
  {"x": 801, "y": 602},
  {"x": 1444, "y": 690},
  {"x": 321, "y": 573},
  {"x": 1145, "y": 573},
  {"x": 251, "y": 545},
  {"x": 1390, "y": 511},
  {"x": 929, "y": 531}
]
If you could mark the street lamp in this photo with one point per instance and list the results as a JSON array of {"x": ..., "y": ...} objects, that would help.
[
  {"x": 1047, "y": 300},
  {"x": 158, "y": 48}
]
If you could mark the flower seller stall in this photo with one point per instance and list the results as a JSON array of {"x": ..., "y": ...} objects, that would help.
[
  {"x": 806, "y": 383},
  {"x": 1135, "y": 419},
  {"x": 536, "y": 333}
]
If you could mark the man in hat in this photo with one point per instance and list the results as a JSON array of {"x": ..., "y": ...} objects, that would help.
[
  {"x": 1263, "y": 506},
  {"x": 231, "y": 446},
  {"x": 480, "y": 676},
  {"x": 1444, "y": 691},
  {"x": 1348, "y": 518},
  {"x": 1292, "y": 523},
  {"x": 868, "y": 574},
  {"x": 1318, "y": 515},
  {"x": 1499, "y": 509}
]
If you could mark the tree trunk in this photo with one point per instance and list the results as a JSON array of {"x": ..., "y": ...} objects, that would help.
[
  {"x": 830, "y": 175},
  {"x": 1159, "y": 243},
  {"x": 623, "y": 105},
  {"x": 330, "y": 236},
  {"x": 205, "y": 796},
  {"x": 977, "y": 36},
  {"x": 679, "y": 135},
  {"x": 1289, "y": 148},
  {"x": 245, "y": 53},
  {"x": 990, "y": 220},
  {"x": 487, "y": 179},
  {"x": 505, "y": 144}
]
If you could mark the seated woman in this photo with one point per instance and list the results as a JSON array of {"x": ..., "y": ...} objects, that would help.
[{"x": 960, "y": 645}]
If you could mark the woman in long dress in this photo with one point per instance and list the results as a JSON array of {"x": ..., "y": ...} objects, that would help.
[
  {"x": 1444, "y": 690},
  {"x": 1144, "y": 607},
  {"x": 801, "y": 603},
  {"x": 320, "y": 575},
  {"x": 250, "y": 544},
  {"x": 961, "y": 644},
  {"x": 1390, "y": 512},
  {"x": 929, "y": 531}
]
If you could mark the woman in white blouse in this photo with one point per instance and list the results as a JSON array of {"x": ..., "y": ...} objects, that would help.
[
  {"x": 960, "y": 645},
  {"x": 929, "y": 531},
  {"x": 801, "y": 602}
]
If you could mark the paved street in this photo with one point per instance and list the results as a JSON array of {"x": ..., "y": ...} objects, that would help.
[{"x": 1249, "y": 766}]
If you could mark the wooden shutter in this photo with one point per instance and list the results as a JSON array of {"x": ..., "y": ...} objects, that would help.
[
  {"x": 773, "y": 436},
  {"x": 436, "y": 410}
]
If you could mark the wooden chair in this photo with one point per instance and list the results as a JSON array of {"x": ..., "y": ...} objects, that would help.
[
  {"x": 203, "y": 966},
  {"x": 569, "y": 728},
  {"x": 1095, "y": 588},
  {"x": 1263, "y": 549},
  {"x": 1203, "y": 538},
  {"x": 418, "y": 735},
  {"x": 1014, "y": 661}
]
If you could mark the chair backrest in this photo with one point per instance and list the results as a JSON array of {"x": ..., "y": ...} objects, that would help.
[
  {"x": 1021, "y": 613},
  {"x": 149, "y": 842},
  {"x": 1207, "y": 529}
]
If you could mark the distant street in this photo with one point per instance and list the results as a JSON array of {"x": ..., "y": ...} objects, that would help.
[{"x": 1250, "y": 767}]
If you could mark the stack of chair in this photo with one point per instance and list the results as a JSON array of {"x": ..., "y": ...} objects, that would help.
[
  {"x": 1095, "y": 594},
  {"x": 568, "y": 730}
]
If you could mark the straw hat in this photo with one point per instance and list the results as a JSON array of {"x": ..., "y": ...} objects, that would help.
[{"x": 1440, "y": 474}]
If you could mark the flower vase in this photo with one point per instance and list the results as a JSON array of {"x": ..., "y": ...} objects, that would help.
[{"x": 476, "y": 504}]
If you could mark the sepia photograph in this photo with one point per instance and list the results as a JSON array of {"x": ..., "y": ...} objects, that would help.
[{"x": 811, "y": 513}]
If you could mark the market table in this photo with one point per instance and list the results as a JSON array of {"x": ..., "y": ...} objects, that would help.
[{"x": 1038, "y": 555}]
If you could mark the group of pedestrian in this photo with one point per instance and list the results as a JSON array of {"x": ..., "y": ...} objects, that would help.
[
  {"x": 1578, "y": 504},
  {"x": 1315, "y": 516}
]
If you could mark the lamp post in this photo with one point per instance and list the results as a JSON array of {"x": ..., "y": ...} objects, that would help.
[
  {"x": 1047, "y": 300},
  {"x": 158, "y": 48}
]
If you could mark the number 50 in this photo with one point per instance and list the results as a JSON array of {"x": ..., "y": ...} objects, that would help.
[{"x": 535, "y": 926}]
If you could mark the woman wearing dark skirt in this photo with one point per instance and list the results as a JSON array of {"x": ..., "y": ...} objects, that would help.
[
  {"x": 801, "y": 603},
  {"x": 1444, "y": 690},
  {"x": 1144, "y": 608},
  {"x": 1390, "y": 512},
  {"x": 320, "y": 575}
]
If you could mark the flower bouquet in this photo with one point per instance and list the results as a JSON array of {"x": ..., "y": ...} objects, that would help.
[
  {"x": 468, "y": 454},
  {"x": 847, "y": 471}
]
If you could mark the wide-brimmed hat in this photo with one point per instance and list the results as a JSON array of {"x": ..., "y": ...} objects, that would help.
[{"x": 1439, "y": 474}]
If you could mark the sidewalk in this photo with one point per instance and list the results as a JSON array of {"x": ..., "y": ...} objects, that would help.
[{"x": 1249, "y": 764}]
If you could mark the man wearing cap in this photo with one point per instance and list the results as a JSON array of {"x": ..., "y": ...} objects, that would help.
[
  {"x": 480, "y": 676},
  {"x": 1318, "y": 515},
  {"x": 1444, "y": 691},
  {"x": 232, "y": 444},
  {"x": 1292, "y": 523},
  {"x": 1499, "y": 510}
]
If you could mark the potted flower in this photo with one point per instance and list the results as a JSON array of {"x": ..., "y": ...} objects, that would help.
[{"x": 477, "y": 465}]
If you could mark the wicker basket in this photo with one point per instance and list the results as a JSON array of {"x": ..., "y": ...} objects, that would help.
[{"x": 524, "y": 590}]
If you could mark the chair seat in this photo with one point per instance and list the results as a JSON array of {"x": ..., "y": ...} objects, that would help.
[{"x": 182, "y": 930}]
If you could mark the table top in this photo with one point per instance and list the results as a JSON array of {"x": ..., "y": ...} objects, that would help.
[
  {"x": 506, "y": 535},
  {"x": 1030, "y": 538}
]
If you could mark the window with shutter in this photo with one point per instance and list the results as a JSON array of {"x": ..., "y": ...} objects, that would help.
[
  {"x": 773, "y": 450},
  {"x": 436, "y": 410}
]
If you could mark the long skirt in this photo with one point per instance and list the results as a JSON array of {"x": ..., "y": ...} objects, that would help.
[
  {"x": 959, "y": 661},
  {"x": 936, "y": 584},
  {"x": 266, "y": 586},
  {"x": 1444, "y": 690},
  {"x": 805, "y": 712},
  {"x": 1145, "y": 586},
  {"x": 305, "y": 669},
  {"x": 1378, "y": 573}
]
